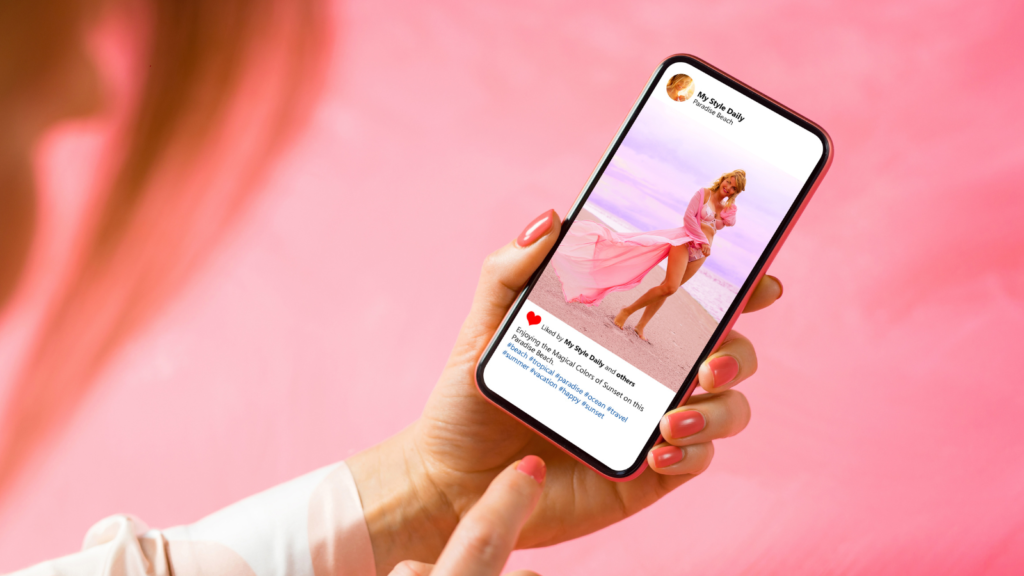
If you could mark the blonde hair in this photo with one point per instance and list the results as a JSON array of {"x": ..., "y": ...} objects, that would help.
[
  {"x": 739, "y": 176},
  {"x": 678, "y": 84},
  {"x": 222, "y": 86}
]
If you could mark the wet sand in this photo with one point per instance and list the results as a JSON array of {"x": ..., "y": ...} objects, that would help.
[{"x": 677, "y": 334}]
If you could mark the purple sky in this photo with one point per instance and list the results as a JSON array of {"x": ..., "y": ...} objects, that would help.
[{"x": 666, "y": 157}]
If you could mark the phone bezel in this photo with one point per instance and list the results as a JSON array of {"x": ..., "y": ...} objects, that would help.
[{"x": 731, "y": 314}]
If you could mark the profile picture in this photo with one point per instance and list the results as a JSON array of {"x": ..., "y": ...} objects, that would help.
[{"x": 680, "y": 87}]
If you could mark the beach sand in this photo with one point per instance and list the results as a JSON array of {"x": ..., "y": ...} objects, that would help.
[{"x": 677, "y": 334}]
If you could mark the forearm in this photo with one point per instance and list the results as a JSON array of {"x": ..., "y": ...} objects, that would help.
[{"x": 408, "y": 517}]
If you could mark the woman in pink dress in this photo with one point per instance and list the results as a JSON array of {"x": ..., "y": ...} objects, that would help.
[{"x": 593, "y": 260}]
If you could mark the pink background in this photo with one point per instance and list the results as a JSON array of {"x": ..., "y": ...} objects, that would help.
[{"x": 886, "y": 436}]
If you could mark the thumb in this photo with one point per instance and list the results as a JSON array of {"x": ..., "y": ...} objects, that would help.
[
  {"x": 505, "y": 273},
  {"x": 487, "y": 534}
]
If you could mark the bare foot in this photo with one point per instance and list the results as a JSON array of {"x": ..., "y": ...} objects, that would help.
[
  {"x": 620, "y": 318},
  {"x": 640, "y": 332}
]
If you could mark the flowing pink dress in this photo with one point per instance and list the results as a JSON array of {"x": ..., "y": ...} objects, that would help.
[{"x": 593, "y": 261}]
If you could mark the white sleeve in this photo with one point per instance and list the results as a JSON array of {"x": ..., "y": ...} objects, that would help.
[{"x": 310, "y": 526}]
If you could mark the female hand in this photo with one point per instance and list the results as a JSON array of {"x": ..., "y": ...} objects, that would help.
[
  {"x": 484, "y": 539},
  {"x": 417, "y": 485},
  {"x": 706, "y": 250}
]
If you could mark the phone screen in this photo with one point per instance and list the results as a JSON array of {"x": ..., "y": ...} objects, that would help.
[{"x": 668, "y": 236}]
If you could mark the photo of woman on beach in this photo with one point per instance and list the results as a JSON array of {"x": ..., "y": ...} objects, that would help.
[
  {"x": 669, "y": 233},
  {"x": 594, "y": 260}
]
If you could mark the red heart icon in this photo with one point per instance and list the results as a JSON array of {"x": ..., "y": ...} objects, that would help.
[{"x": 532, "y": 318}]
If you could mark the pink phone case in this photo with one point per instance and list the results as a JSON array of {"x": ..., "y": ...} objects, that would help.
[{"x": 731, "y": 320}]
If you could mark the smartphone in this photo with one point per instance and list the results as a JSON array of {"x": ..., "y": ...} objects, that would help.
[{"x": 655, "y": 260}]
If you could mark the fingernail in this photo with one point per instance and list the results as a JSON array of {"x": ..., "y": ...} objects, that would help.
[
  {"x": 534, "y": 230},
  {"x": 667, "y": 456},
  {"x": 533, "y": 467},
  {"x": 724, "y": 368},
  {"x": 683, "y": 424}
]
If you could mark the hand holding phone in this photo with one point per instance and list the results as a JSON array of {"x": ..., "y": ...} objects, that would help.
[{"x": 425, "y": 479}]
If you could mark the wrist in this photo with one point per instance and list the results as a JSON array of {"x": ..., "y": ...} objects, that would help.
[{"x": 408, "y": 517}]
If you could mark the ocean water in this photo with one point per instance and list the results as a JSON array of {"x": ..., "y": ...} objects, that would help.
[{"x": 712, "y": 292}]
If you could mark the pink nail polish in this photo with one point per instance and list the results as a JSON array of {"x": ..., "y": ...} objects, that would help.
[
  {"x": 667, "y": 456},
  {"x": 725, "y": 368},
  {"x": 534, "y": 230},
  {"x": 683, "y": 424},
  {"x": 533, "y": 467}
]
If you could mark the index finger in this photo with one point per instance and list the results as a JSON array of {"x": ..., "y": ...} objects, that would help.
[{"x": 486, "y": 536}]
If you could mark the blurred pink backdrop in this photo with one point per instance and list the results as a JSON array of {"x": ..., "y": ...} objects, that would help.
[{"x": 887, "y": 435}]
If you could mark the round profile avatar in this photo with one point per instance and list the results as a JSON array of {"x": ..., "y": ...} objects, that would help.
[{"x": 680, "y": 87}]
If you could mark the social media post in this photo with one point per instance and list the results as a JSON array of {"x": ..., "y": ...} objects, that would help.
[{"x": 576, "y": 387}]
